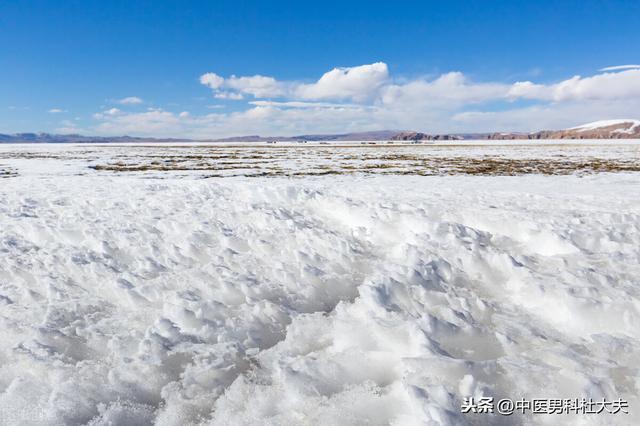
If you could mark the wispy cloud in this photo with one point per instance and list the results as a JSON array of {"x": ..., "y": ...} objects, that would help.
[
  {"x": 69, "y": 127},
  {"x": 621, "y": 67},
  {"x": 107, "y": 113},
  {"x": 301, "y": 104},
  {"x": 56, "y": 111},
  {"x": 130, "y": 100},
  {"x": 235, "y": 96}
]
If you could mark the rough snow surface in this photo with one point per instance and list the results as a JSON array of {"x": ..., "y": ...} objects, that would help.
[{"x": 346, "y": 300}]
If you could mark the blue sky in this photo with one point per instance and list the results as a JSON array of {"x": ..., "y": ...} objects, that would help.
[{"x": 299, "y": 67}]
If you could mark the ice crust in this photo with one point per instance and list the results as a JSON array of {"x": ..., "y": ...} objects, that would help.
[{"x": 342, "y": 300}]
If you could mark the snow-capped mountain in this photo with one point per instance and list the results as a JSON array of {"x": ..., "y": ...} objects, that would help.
[
  {"x": 610, "y": 127},
  {"x": 603, "y": 129}
]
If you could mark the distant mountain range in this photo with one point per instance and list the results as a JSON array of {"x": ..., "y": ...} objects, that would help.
[
  {"x": 606, "y": 129},
  {"x": 51, "y": 138},
  {"x": 381, "y": 135}
]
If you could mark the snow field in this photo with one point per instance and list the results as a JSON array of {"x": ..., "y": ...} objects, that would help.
[{"x": 343, "y": 300}]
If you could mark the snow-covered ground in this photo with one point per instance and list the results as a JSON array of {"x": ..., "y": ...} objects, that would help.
[
  {"x": 359, "y": 298},
  {"x": 335, "y": 158}
]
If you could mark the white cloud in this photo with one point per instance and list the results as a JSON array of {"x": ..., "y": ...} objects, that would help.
[
  {"x": 281, "y": 120},
  {"x": 56, "y": 111},
  {"x": 450, "y": 89},
  {"x": 357, "y": 83},
  {"x": 229, "y": 95},
  {"x": 361, "y": 84},
  {"x": 130, "y": 100},
  {"x": 620, "y": 67},
  {"x": 68, "y": 130},
  {"x": 544, "y": 116},
  {"x": 256, "y": 120},
  {"x": 68, "y": 127},
  {"x": 304, "y": 104},
  {"x": 211, "y": 80},
  {"x": 147, "y": 123},
  {"x": 109, "y": 112},
  {"x": 368, "y": 98},
  {"x": 257, "y": 85},
  {"x": 609, "y": 85}
]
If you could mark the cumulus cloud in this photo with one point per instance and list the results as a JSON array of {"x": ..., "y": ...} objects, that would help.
[
  {"x": 357, "y": 83},
  {"x": 211, "y": 80},
  {"x": 449, "y": 89},
  {"x": 608, "y": 85},
  {"x": 258, "y": 86},
  {"x": 367, "y": 97},
  {"x": 130, "y": 100}
]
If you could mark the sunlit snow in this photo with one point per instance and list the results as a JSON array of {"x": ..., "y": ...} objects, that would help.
[{"x": 170, "y": 298}]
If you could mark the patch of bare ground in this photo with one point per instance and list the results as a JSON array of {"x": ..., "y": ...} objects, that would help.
[
  {"x": 170, "y": 167},
  {"x": 6, "y": 172},
  {"x": 388, "y": 164}
]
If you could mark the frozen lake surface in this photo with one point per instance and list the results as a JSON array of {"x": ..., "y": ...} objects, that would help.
[{"x": 350, "y": 284}]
